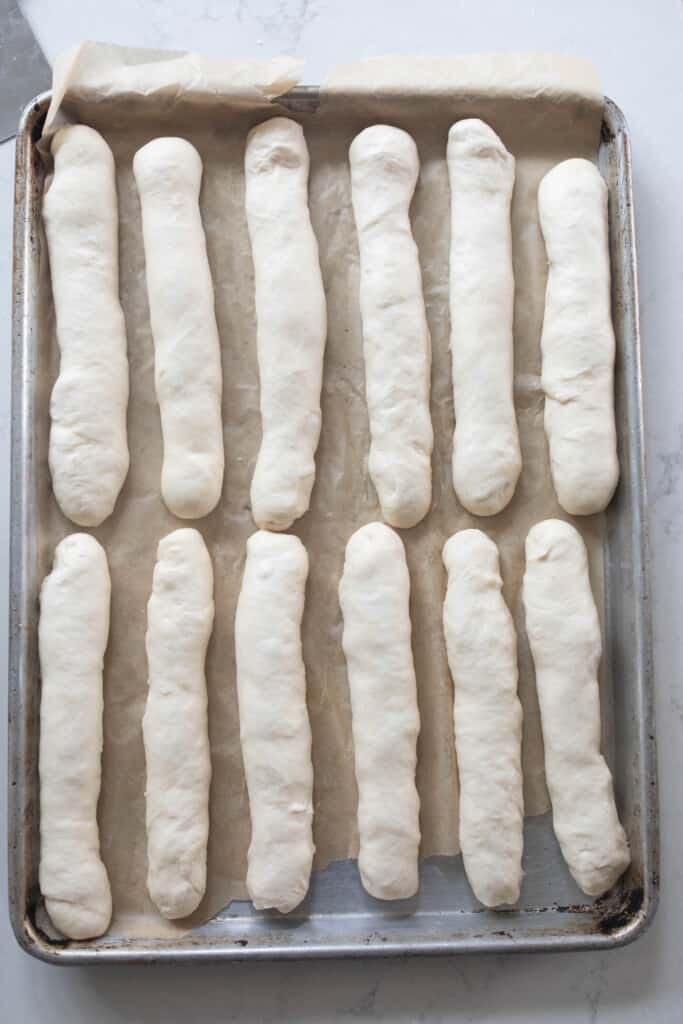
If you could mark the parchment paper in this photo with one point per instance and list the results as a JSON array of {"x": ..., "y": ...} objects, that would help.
[{"x": 545, "y": 109}]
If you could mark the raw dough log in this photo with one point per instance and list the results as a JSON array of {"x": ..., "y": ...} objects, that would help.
[
  {"x": 577, "y": 343},
  {"x": 88, "y": 451},
  {"x": 374, "y": 594},
  {"x": 564, "y": 635},
  {"x": 486, "y": 455},
  {"x": 274, "y": 726},
  {"x": 174, "y": 726},
  {"x": 291, "y": 320},
  {"x": 72, "y": 637},
  {"x": 396, "y": 344},
  {"x": 482, "y": 655},
  {"x": 187, "y": 356}
]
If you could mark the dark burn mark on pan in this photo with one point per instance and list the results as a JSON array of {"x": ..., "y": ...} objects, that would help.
[
  {"x": 624, "y": 915},
  {"x": 37, "y": 130},
  {"x": 606, "y": 132}
]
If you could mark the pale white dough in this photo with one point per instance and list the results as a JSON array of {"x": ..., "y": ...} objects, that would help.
[
  {"x": 174, "y": 726},
  {"x": 274, "y": 727},
  {"x": 187, "y": 355},
  {"x": 374, "y": 594},
  {"x": 291, "y": 320},
  {"x": 72, "y": 638},
  {"x": 482, "y": 655},
  {"x": 396, "y": 345},
  {"x": 564, "y": 634},
  {"x": 486, "y": 454},
  {"x": 88, "y": 450},
  {"x": 577, "y": 343}
]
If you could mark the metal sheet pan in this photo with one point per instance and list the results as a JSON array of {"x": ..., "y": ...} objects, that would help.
[{"x": 338, "y": 918}]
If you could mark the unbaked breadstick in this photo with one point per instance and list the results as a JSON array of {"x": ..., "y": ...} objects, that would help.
[
  {"x": 577, "y": 343},
  {"x": 174, "y": 726},
  {"x": 187, "y": 356},
  {"x": 374, "y": 593},
  {"x": 274, "y": 727},
  {"x": 291, "y": 320},
  {"x": 564, "y": 635},
  {"x": 482, "y": 655},
  {"x": 72, "y": 637},
  {"x": 486, "y": 455},
  {"x": 88, "y": 451},
  {"x": 396, "y": 344}
]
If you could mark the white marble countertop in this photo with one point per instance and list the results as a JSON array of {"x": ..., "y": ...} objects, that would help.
[{"x": 636, "y": 46}]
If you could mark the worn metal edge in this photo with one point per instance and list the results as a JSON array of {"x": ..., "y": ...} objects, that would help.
[
  {"x": 69, "y": 954},
  {"x": 24, "y": 279},
  {"x": 615, "y": 121}
]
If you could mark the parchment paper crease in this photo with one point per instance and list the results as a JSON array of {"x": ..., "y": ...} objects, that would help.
[{"x": 545, "y": 109}]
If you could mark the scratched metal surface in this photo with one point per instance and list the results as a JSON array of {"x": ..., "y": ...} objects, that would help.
[{"x": 339, "y": 918}]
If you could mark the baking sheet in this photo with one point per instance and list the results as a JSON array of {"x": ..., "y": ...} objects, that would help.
[{"x": 561, "y": 119}]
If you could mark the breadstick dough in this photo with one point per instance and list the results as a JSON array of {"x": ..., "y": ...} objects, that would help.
[
  {"x": 482, "y": 656},
  {"x": 88, "y": 450},
  {"x": 374, "y": 594},
  {"x": 564, "y": 635},
  {"x": 72, "y": 638},
  {"x": 577, "y": 343},
  {"x": 187, "y": 355},
  {"x": 396, "y": 343},
  {"x": 174, "y": 726},
  {"x": 486, "y": 454},
  {"x": 291, "y": 320},
  {"x": 274, "y": 726}
]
